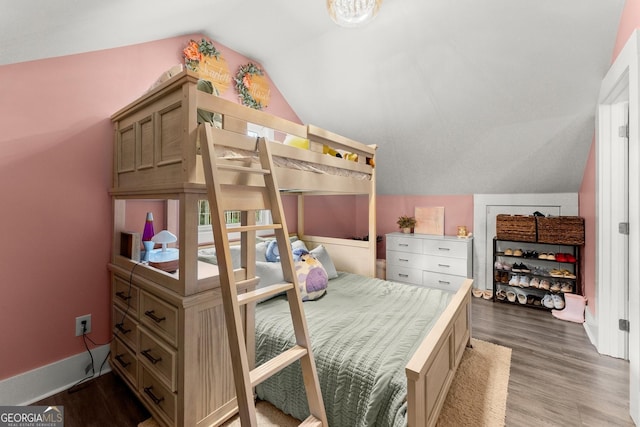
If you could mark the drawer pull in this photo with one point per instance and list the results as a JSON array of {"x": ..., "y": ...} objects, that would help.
[
  {"x": 152, "y": 359},
  {"x": 120, "y": 327},
  {"x": 403, "y": 260},
  {"x": 153, "y": 397},
  {"x": 444, "y": 249},
  {"x": 122, "y": 362},
  {"x": 404, "y": 245},
  {"x": 151, "y": 314},
  {"x": 403, "y": 275},
  {"x": 122, "y": 296},
  {"x": 444, "y": 265},
  {"x": 444, "y": 282}
]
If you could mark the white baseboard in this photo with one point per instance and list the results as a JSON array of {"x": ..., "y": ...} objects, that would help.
[
  {"x": 591, "y": 327},
  {"x": 35, "y": 385}
]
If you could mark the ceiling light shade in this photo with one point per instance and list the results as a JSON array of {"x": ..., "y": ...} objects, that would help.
[{"x": 353, "y": 13}]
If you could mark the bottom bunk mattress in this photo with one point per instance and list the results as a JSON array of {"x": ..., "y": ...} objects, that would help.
[{"x": 363, "y": 333}]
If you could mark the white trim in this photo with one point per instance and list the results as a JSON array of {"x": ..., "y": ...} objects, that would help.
[
  {"x": 483, "y": 224},
  {"x": 591, "y": 326},
  {"x": 621, "y": 84},
  {"x": 45, "y": 381}
]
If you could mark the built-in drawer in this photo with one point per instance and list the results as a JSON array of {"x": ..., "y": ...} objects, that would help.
[
  {"x": 125, "y": 295},
  {"x": 448, "y": 248},
  {"x": 441, "y": 281},
  {"x": 403, "y": 274},
  {"x": 404, "y": 244},
  {"x": 158, "y": 396},
  {"x": 125, "y": 328},
  {"x": 407, "y": 259},
  {"x": 158, "y": 357},
  {"x": 159, "y": 316},
  {"x": 124, "y": 361},
  {"x": 455, "y": 266}
]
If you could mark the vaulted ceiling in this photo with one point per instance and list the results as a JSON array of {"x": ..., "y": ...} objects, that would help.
[{"x": 461, "y": 97}]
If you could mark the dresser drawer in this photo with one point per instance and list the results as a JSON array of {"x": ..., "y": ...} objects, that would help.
[
  {"x": 159, "y": 316},
  {"x": 403, "y": 274},
  {"x": 159, "y": 358},
  {"x": 124, "y": 361},
  {"x": 448, "y": 248},
  {"x": 441, "y": 281},
  {"x": 455, "y": 266},
  {"x": 125, "y": 296},
  {"x": 406, "y": 259},
  {"x": 404, "y": 244},
  {"x": 125, "y": 328},
  {"x": 158, "y": 396}
]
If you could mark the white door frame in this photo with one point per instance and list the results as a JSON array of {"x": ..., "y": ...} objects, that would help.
[{"x": 619, "y": 86}]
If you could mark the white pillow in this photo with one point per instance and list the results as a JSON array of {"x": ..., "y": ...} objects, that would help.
[{"x": 321, "y": 254}]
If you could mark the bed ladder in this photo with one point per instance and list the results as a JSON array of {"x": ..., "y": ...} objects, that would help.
[{"x": 223, "y": 197}]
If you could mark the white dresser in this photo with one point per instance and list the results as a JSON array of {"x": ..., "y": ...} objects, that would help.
[{"x": 433, "y": 261}]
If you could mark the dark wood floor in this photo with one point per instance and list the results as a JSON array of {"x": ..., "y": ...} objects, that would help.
[{"x": 557, "y": 377}]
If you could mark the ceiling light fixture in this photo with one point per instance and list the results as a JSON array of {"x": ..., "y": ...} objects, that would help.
[{"x": 353, "y": 13}]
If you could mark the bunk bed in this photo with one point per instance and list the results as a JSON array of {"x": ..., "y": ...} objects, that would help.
[{"x": 157, "y": 157}]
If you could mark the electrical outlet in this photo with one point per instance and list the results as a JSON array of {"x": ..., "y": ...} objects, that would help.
[{"x": 79, "y": 327}]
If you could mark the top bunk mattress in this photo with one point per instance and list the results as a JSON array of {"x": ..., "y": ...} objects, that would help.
[{"x": 363, "y": 333}]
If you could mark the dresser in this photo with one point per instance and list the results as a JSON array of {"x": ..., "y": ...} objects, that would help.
[{"x": 427, "y": 260}]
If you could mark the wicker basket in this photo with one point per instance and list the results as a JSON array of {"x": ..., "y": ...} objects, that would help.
[
  {"x": 520, "y": 228},
  {"x": 561, "y": 230}
]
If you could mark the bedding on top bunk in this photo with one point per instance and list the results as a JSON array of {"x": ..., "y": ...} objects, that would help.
[
  {"x": 363, "y": 333},
  {"x": 229, "y": 153}
]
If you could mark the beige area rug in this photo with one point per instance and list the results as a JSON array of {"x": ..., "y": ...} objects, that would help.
[{"x": 477, "y": 397}]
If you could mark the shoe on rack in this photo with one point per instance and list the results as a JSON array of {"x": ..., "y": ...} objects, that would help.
[
  {"x": 501, "y": 295},
  {"x": 555, "y": 286},
  {"x": 508, "y": 252},
  {"x": 535, "y": 282},
  {"x": 516, "y": 268},
  {"x": 522, "y": 298},
  {"x": 543, "y": 255},
  {"x": 551, "y": 256},
  {"x": 511, "y": 296},
  {"x": 517, "y": 252},
  {"x": 497, "y": 265},
  {"x": 524, "y": 281},
  {"x": 505, "y": 277},
  {"x": 524, "y": 268},
  {"x": 556, "y": 273},
  {"x": 506, "y": 266},
  {"x": 566, "y": 287},
  {"x": 547, "y": 301},
  {"x": 571, "y": 258},
  {"x": 544, "y": 284},
  {"x": 561, "y": 257},
  {"x": 497, "y": 276},
  {"x": 515, "y": 280},
  {"x": 568, "y": 275},
  {"x": 558, "y": 302}
]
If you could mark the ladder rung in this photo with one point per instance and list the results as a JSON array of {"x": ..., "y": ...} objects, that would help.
[
  {"x": 276, "y": 364},
  {"x": 244, "y": 228},
  {"x": 248, "y": 282},
  {"x": 266, "y": 292},
  {"x": 246, "y": 169},
  {"x": 311, "y": 421}
]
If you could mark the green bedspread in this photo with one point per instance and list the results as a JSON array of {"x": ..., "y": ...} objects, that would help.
[{"x": 363, "y": 333}]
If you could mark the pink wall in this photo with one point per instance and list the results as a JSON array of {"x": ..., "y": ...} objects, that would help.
[
  {"x": 458, "y": 210},
  {"x": 628, "y": 23},
  {"x": 55, "y": 173}
]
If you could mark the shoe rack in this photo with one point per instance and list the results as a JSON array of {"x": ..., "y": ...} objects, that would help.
[{"x": 535, "y": 275}]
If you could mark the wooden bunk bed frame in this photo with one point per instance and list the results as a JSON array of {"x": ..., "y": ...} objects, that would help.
[{"x": 156, "y": 154}]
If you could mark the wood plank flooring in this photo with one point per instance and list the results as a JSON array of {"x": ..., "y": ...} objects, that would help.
[{"x": 557, "y": 377}]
